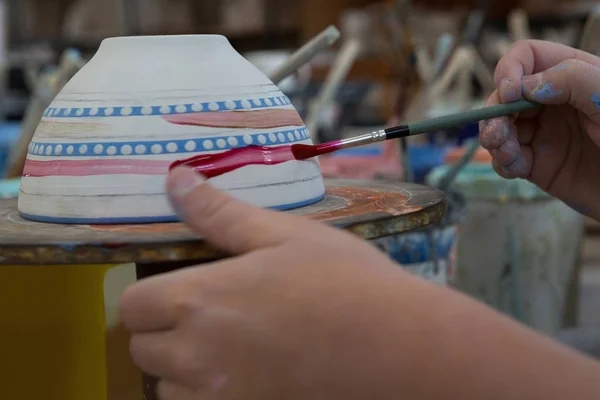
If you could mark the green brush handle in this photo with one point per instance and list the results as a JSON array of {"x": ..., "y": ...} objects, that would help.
[{"x": 454, "y": 120}]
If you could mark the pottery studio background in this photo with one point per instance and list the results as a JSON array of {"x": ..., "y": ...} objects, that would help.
[{"x": 412, "y": 60}]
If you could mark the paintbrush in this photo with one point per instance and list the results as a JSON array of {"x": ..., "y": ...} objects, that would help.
[
  {"x": 213, "y": 165},
  {"x": 303, "y": 152}
]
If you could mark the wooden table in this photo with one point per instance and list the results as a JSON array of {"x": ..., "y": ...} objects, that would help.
[{"x": 60, "y": 285}]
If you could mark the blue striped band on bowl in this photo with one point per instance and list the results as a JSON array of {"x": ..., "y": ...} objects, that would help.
[
  {"x": 167, "y": 109},
  {"x": 156, "y": 147}
]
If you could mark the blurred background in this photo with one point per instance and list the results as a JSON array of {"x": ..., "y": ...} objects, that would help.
[{"x": 398, "y": 60}]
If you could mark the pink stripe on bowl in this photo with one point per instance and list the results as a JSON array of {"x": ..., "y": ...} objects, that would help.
[{"x": 95, "y": 167}]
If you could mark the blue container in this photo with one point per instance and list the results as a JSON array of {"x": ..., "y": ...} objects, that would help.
[
  {"x": 424, "y": 158},
  {"x": 454, "y": 137},
  {"x": 9, "y": 188},
  {"x": 467, "y": 133},
  {"x": 430, "y": 252},
  {"x": 9, "y": 134}
]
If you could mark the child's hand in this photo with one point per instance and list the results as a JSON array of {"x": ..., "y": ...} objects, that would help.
[
  {"x": 302, "y": 311},
  {"x": 555, "y": 147}
]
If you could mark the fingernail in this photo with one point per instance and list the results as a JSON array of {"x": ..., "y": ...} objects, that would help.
[
  {"x": 530, "y": 83},
  {"x": 183, "y": 181},
  {"x": 507, "y": 91}
]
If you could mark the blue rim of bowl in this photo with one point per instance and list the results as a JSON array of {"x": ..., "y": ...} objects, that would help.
[{"x": 145, "y": 220}]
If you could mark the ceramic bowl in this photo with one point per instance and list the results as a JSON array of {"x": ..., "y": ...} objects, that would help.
[{"x": 102, "y": 151}]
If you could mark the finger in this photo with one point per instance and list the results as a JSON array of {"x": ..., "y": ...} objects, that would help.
[
  {"x": 164, "y": 302},
  {"x": 164, "y": 355},
  {"x": 154, "y": 304},
  {"x": 509, "y": 158},
  {"x": 228, "y": 223},
  {"x": 507, "y": 152},
  {"x": 493, "y": 132},
  {"x": 520, "y": 168},
  {"x": 495, "y": 99},
  {"x": 572, "y": 82},
  {"x": 153, "y": 354},
  {"x": 529, "y": 57}
]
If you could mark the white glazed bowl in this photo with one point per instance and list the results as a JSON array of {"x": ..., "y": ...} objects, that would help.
[{"x": 103, "y": 148}]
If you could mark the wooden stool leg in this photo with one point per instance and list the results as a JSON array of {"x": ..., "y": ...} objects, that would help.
[{"x": 52, "y": 332}]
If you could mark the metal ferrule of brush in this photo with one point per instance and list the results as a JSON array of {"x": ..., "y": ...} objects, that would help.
[{"x": 373, "y": 137}]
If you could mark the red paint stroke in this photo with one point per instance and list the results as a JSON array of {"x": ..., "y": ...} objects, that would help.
[
  {"x": 262, "y": 119},
  {"x": 94, "y": 167},
  {"x": 212, "y": 165},
  {"x": 305, "y": 151}
]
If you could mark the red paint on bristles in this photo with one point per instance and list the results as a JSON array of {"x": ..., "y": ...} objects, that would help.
[
  {"x": 305, "y": 151},
  {"x": 213, "y": 165}
]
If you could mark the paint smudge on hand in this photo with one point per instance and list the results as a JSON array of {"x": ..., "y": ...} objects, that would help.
[
  {"x": 596, "y": 100},
  {"x": 494, "y": 133},
  {"x": 546, "y": 93},
  {"x": 560, "y": 67},
  {"x": 539, "y": 88}
]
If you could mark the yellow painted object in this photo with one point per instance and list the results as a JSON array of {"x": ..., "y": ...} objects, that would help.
[{"x": 58, "y": 337}]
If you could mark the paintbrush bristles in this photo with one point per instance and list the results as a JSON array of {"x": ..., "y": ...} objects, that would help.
[{"x": 304, "y": 151}]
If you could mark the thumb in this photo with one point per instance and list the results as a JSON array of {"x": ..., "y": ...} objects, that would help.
[
  {"x": 572, "y": 82},
  {"x": 228, "y": 223}
]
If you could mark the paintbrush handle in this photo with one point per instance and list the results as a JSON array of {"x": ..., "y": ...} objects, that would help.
[
  {"x": 454, "y": 120},
  {"x": 434, "y": 124}
]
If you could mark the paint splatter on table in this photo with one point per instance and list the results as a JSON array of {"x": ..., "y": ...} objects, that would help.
[{"x": 369, "y": 209}]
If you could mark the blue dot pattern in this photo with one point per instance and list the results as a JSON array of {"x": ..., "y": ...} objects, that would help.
[
  {"x": 142, "y": 148},
  {"x": 172, "y": 109}
]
